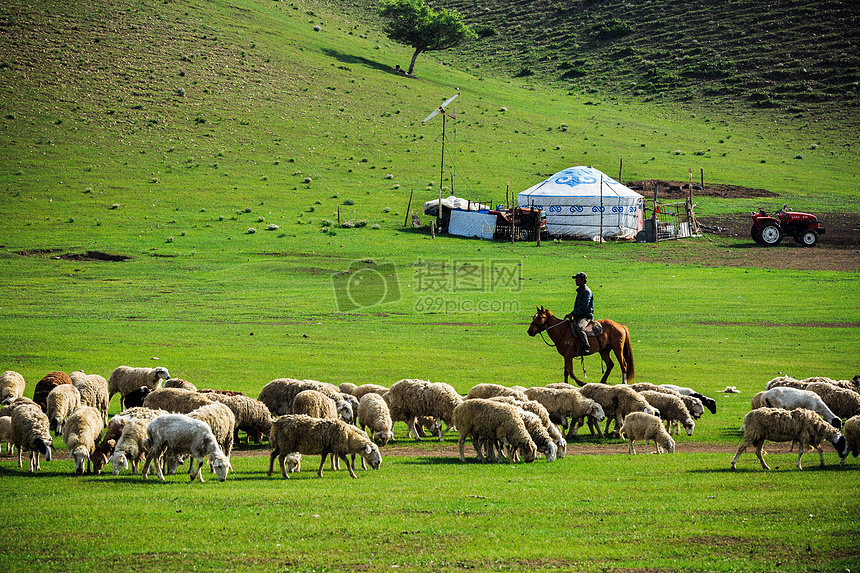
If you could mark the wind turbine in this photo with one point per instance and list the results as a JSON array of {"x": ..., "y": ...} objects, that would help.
[{"x": 442, "y": 109}]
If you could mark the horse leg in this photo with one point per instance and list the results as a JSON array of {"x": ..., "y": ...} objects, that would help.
[
  {"x": 619, "y": 355},
  {"x": 607, "y": 359}
]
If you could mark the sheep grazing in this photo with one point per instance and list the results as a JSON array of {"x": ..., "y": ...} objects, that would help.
[
  {"x": 30, "y": 432},
  {"x": 61, "y": 402},
  {"x": 180, "y": 383},
  {"x": 644, "y": 426},
  {"x": 278, "y": 396},
  {"x": 541, "y": 412},
  {"x": 493, "y": 390},
  {"x": 297, "y": 433},
  {"x": 175, "y": 400},
  {"x": 672, "y": 411},
  {"x": 252, "y": 416},
  {"x": 373, "y": 412},
  {"x": 617, "y": 401},
  {"x": 13, "y": 403},
  {"x": 798, "y": 425},
  {"x": 709, "y": 403},
  {"x": 94, "y": 392},
  {"x": 184, "y": 435},
  {"x": 135, "y": 398},
  {"x": 369, "y": 389},
  {"x": 46, "y": 384},
  {"x": 12, "y": 385},
  {"x": 220, "y": 420},
  {"x": 488, "y": 422},
  {"x": 409, "y": 399},
  {"x": 81, "y": 432},
  {"x": 6, "y": 433},
  {"x": 694, "y": 405},
  {"x": 568, "y": 402},
  {"x": 124, "y": 379},
  {"x": 315, "y": 404},
  {"x": 790, "y": 398},
  {"x": 104, "y": 449},
  {"x": 841, "y": 401},
  {"x": 130, "y": 445},
  {"x": 852, "y": 438}
]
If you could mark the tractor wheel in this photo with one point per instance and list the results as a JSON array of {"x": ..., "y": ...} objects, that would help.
[
  {"x": 771, "y": 235},
  {"x": 808, "y": 238},
  {"x": 755, "y": 234}
]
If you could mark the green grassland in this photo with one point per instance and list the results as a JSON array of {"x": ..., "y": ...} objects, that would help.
[{"x": 165, "y": 132}]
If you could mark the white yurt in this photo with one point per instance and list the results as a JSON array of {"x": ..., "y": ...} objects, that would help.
[{"x": 585, "y": 203}]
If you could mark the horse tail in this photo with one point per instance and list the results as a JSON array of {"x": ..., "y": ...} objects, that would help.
[{"x": 628, "y": 356}]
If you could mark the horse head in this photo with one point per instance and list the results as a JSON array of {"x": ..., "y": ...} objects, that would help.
[{"x": 539, "y": 321}]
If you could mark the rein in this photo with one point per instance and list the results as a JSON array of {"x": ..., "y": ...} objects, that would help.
[{"x": 553, "y": 326}]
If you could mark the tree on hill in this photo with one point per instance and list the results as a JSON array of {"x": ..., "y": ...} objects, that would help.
[{"x": 413, "y": 23}]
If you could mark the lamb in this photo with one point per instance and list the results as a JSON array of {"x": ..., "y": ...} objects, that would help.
[
  {"x": 175, "y": 400},
  {"x": 12, "y": 385},
  {"x": 541, "y": 412},
  {"x": 644, "y": 426},
  {"x": 693, "y": 404},
  {"x": 709, "y": 403},
  {"x": 94, "y": 392},
  {"x": 297, "y": 433},
  {"x": 135, "y": 398},
  {"x": 492, "y": 390},
  {"x": 841, "y": 401},
  {"x": 124, "y": 379},
  {"x": 130, "y": 445},
  {"x": 180, "y": 383},
  {"x": 278, "y": 396},
  {"x": 617, "y": 401},
  {"x": 852, "y": 438},
  {"x": 46, "y": 384},
  {"x": 104, "y": 449},
  {"x": 486, "y": 422},
  {"x": 373, "y": 412},
  {"x": 80, "y": 433},
  {"x": 6, "y": 433},
  {"x": 184, "y": 435},
  {"x": 791, "y": 398},
  {"x": 252, "y": 416},
  {"x": 30, "y": 432},
  {"x": 779, "y": 425},
  {"x": 672, "y": 410},
  {"x": 369, "y": 389},
  {"x": 61, "y": 402},
  {"x": 564, "y": 403},
  {"x": 315, "y": 404},
  {"x": 410, "y": 398}
]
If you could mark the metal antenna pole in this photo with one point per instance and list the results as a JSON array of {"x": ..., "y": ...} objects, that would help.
[{"x": 441, "y": 175}]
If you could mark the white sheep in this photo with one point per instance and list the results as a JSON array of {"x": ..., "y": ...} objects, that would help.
[
  {"x": 694, "y": 405},
  {"x": 790, "y": 398},
  {"x": 672, "y": 410},
  {"x": 373, "y": 412},
  {"x": 175, "y": 400},
  {"x": 184, "y": 435},
  {"x": 130, "y": 446},
  {"x": 488, "y": 422},
  {"x": 12, "y": 385},
  {"x": 409, "y": 399},
  {"x": 94, "y": 392},
  {"x": 541, "y": 412},
  {"x": 709, "y": 403},
  {"x": 124, "y": 379},
  {"x": 852, "y": 438},
  {"x": 278, "y": 396},
  {"x": 779, "y": 425},
  {"x": 6, "y": 433},
  {"x": 618, "y": 401},
  {"x": 493, "y": 390},
  {"x": 30, "y": 432},
  {"x": 315, "y": 404},
  {"x": 80, "y": 433},
  {"x": 252, "y": 416},
  {"x": 563, "y": 402},
  {"x": 841, "y": 401},
  {"x": 221, "y": 420},
  {"x": 297, "y": 433},
  {"x": 644, "y": 426},
  {"x": 61, "y": 402}
]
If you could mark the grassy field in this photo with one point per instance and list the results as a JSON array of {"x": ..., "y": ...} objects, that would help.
[{"x": 241, "y": 116}]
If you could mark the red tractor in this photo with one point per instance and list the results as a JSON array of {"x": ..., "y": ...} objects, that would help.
[{"x": 769, "y": 230}]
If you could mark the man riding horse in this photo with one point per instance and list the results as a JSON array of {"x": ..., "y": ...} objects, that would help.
[{"x": 583, "y": 312}]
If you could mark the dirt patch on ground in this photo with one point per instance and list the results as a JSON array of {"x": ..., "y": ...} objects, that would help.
[
  {"x": 88, "y": 256},
  {"x": 838, "y": 248}
]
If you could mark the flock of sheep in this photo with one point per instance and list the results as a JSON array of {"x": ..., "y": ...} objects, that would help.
[{"x": 167, "y": 420}]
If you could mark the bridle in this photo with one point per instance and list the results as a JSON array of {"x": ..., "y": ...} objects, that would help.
[{"x": 542, "y": 330}]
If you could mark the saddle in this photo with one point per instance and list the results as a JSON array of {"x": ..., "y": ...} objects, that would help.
[{"x": 594, "y": 328}]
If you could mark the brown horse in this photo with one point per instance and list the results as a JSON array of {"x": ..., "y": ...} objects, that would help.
[{"x": 615, "y": 338}]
